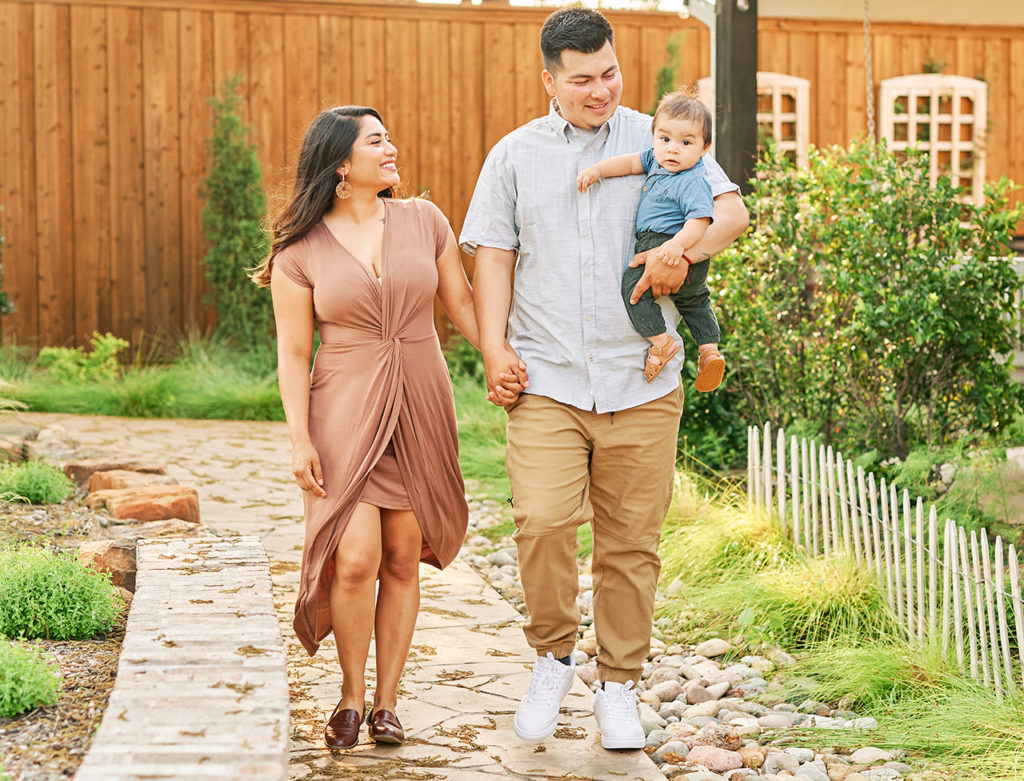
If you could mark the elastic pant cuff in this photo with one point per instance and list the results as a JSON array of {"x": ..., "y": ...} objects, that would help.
[
  {"x": 615, "y": 675},
  {"x": 558, "y": 651}
]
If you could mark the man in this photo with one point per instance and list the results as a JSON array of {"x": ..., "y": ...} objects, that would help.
[{"x": 589, "y": 441}]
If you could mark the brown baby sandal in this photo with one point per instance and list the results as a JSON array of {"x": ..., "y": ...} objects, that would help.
[{"x": 710, "y": 370}]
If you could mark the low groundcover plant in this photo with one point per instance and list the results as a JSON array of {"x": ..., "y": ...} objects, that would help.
[{"x": 26, "y": 680}]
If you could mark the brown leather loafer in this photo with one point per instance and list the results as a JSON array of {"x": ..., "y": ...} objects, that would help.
[
  {"x": 343, "y": 728},
  {"x": 385, "y": 727}
]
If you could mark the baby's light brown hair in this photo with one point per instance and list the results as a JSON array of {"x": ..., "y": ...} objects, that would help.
[{"x": 683, "y": 104}]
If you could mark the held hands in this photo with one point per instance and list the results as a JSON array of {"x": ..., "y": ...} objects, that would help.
[
  {"x": 587, "y": 177},
  {"x": 506, "y": 375},
  {"x": 306, "y": 469}
]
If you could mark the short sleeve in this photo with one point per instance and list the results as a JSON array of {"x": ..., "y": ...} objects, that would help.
[
  {"x": 647, "y": 160},
  {"x": 719, "y": 182},
  {"x": 695, "y": 199},
  {"x": 491, "y": 218},
  {"x": 292, "y": 262},
  {"x": 437, "y": 223}
]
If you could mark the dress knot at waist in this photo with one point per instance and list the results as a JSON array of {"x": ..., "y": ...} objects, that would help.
[{"x": 352, "y": 339}]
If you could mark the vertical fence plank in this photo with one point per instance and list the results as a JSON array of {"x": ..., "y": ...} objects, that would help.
[
  {"x": 894, "y": 516},
  {"x": 751, "y": 487},
  {"x": 865, "y": 519},
  {"x": 814, "y": 497},
  {"x": 887, "y": 543},
  {"x": 965, "y": 572},
  {"x": 958, "y": 616},
  {"x": 826, "y": 518},
  {"x": 919, "y": 542},
  {"x": 1004, "y": 632},
  {"x": 804, "y": 467},
  {"x": 766, "y": 465},
  {"x": 851, "y": 493},
  {"x": 833, "y": 503},
  {"x": 909, "y": 573},
  {"x": 844, "y": 507},
  {"x": 1018, "y": 606},
  {"x": 947, "y": 571},
  {"x": 979, "y": 605},
  {"x": 933, "y": 562},
  {"x": 794, "y": 468},
  {"x": 780, "y": 447},
  {"x": 990, "y": 607},
  {"x": 875, "y": 527},
  {"x": 756, "y": 471}
]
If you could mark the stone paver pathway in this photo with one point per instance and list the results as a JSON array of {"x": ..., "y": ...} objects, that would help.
[{"x": 469, "y": 662}]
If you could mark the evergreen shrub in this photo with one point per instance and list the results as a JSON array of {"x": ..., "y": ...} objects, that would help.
[
  {"x": 27, "y": 680},
  {"x": 53, "y": 596},
  {"x": 73, "y": 364},
  {"x": 233, "y": 213}
]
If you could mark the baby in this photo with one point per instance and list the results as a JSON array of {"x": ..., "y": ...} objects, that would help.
[{"x": 675, "y": 210}]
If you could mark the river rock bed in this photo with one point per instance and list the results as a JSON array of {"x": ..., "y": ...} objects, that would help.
[{"x": 707, "y": 715}]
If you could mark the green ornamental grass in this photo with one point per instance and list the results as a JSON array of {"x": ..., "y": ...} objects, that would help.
[
  {"x": 27, "y": 680},
  {"x": 53, "y": 596},
  {"x": 35, "y": 482}
]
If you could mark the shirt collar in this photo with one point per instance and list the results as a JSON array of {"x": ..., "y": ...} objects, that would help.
[{"x": 561, "y": 125}]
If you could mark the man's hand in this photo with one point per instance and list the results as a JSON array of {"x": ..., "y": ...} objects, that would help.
[
  {"x": 659, "y": 278},
  {"x": 506, "y": 375},
  {"x": 587, "y": 177},
  {"x": 672, "y": 253}
]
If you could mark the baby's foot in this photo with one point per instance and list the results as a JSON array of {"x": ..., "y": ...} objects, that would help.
[{"x": 710, "y": 370}]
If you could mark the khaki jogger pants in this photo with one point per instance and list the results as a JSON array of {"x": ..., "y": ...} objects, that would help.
[{"x": 615, "y": 471}]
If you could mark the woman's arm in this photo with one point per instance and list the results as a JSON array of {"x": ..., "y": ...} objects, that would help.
[
  {"x": 293, "y": 315},
  {"x": 454, "y": 291}
]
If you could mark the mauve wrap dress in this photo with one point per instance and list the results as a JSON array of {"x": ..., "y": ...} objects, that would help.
[{"x": 379, "y": 378}]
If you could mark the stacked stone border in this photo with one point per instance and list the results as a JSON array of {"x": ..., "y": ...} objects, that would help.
[{"x": 201, "y": 688}]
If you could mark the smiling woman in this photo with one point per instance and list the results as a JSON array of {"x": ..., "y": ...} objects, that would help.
[{"x": 374, "y": 443}]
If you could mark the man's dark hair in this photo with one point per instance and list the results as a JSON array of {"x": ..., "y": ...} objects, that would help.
[{"x": 573, "y": 29}]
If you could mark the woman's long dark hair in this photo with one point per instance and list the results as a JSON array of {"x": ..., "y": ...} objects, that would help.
[{"x": 327, "y": 144}]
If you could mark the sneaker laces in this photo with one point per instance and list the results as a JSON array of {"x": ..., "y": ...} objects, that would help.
[
  {"x": 547, "y": 680},
  {"x": 620, "y": 701}
]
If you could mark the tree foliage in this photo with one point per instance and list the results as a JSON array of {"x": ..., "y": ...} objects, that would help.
[
  {"x": 233, "y": 213},
  {"x": 869, "y": 306}
]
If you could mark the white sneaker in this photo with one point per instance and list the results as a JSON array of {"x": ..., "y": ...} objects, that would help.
[
  {"x": 537, "y": 714},
  {"x": 617, "y": 717}
]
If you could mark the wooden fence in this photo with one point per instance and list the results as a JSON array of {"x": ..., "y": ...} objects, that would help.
[
  {"x": 103, "y": 113},
  {"x": 942, "y": 584}
]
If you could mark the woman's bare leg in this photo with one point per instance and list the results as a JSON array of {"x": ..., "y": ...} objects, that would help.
[
  {"x": 398, "y": 601},
  {"x": 356, "y": 562}
]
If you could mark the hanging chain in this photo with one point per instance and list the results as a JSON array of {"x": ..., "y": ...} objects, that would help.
[{"x": 868, "y": 75}]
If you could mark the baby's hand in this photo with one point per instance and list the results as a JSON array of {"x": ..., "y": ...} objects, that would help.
[
  {"x": 671, "y": 254},
  {"x": 587, "y": 177}
]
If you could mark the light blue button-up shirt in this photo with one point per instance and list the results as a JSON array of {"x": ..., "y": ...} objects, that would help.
[{"x": 568, "y": 320}]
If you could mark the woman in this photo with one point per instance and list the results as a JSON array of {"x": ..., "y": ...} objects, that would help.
[{"x": 373, "y": 434}]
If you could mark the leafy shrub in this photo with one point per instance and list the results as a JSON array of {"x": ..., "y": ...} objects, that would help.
[
  {"x": 73, "y": 364},
  {"x": 232, "y": 215},
  {"x": 53, "y": 596},
  {"x": 26, "y": 680},
  {"x": 35, "y": 482},
  {"x": 882, "y": 304}
]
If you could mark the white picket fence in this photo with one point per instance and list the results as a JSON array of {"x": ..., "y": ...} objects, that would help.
[{"x": 959, "y": 594}]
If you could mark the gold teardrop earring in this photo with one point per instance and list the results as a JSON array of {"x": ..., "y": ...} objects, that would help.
[{"x": 344, "y": 189}]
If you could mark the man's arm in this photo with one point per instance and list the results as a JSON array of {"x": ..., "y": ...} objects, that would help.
[
  {"x": 731, "y": 219},
  {"x": 492, "y": 298}
]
